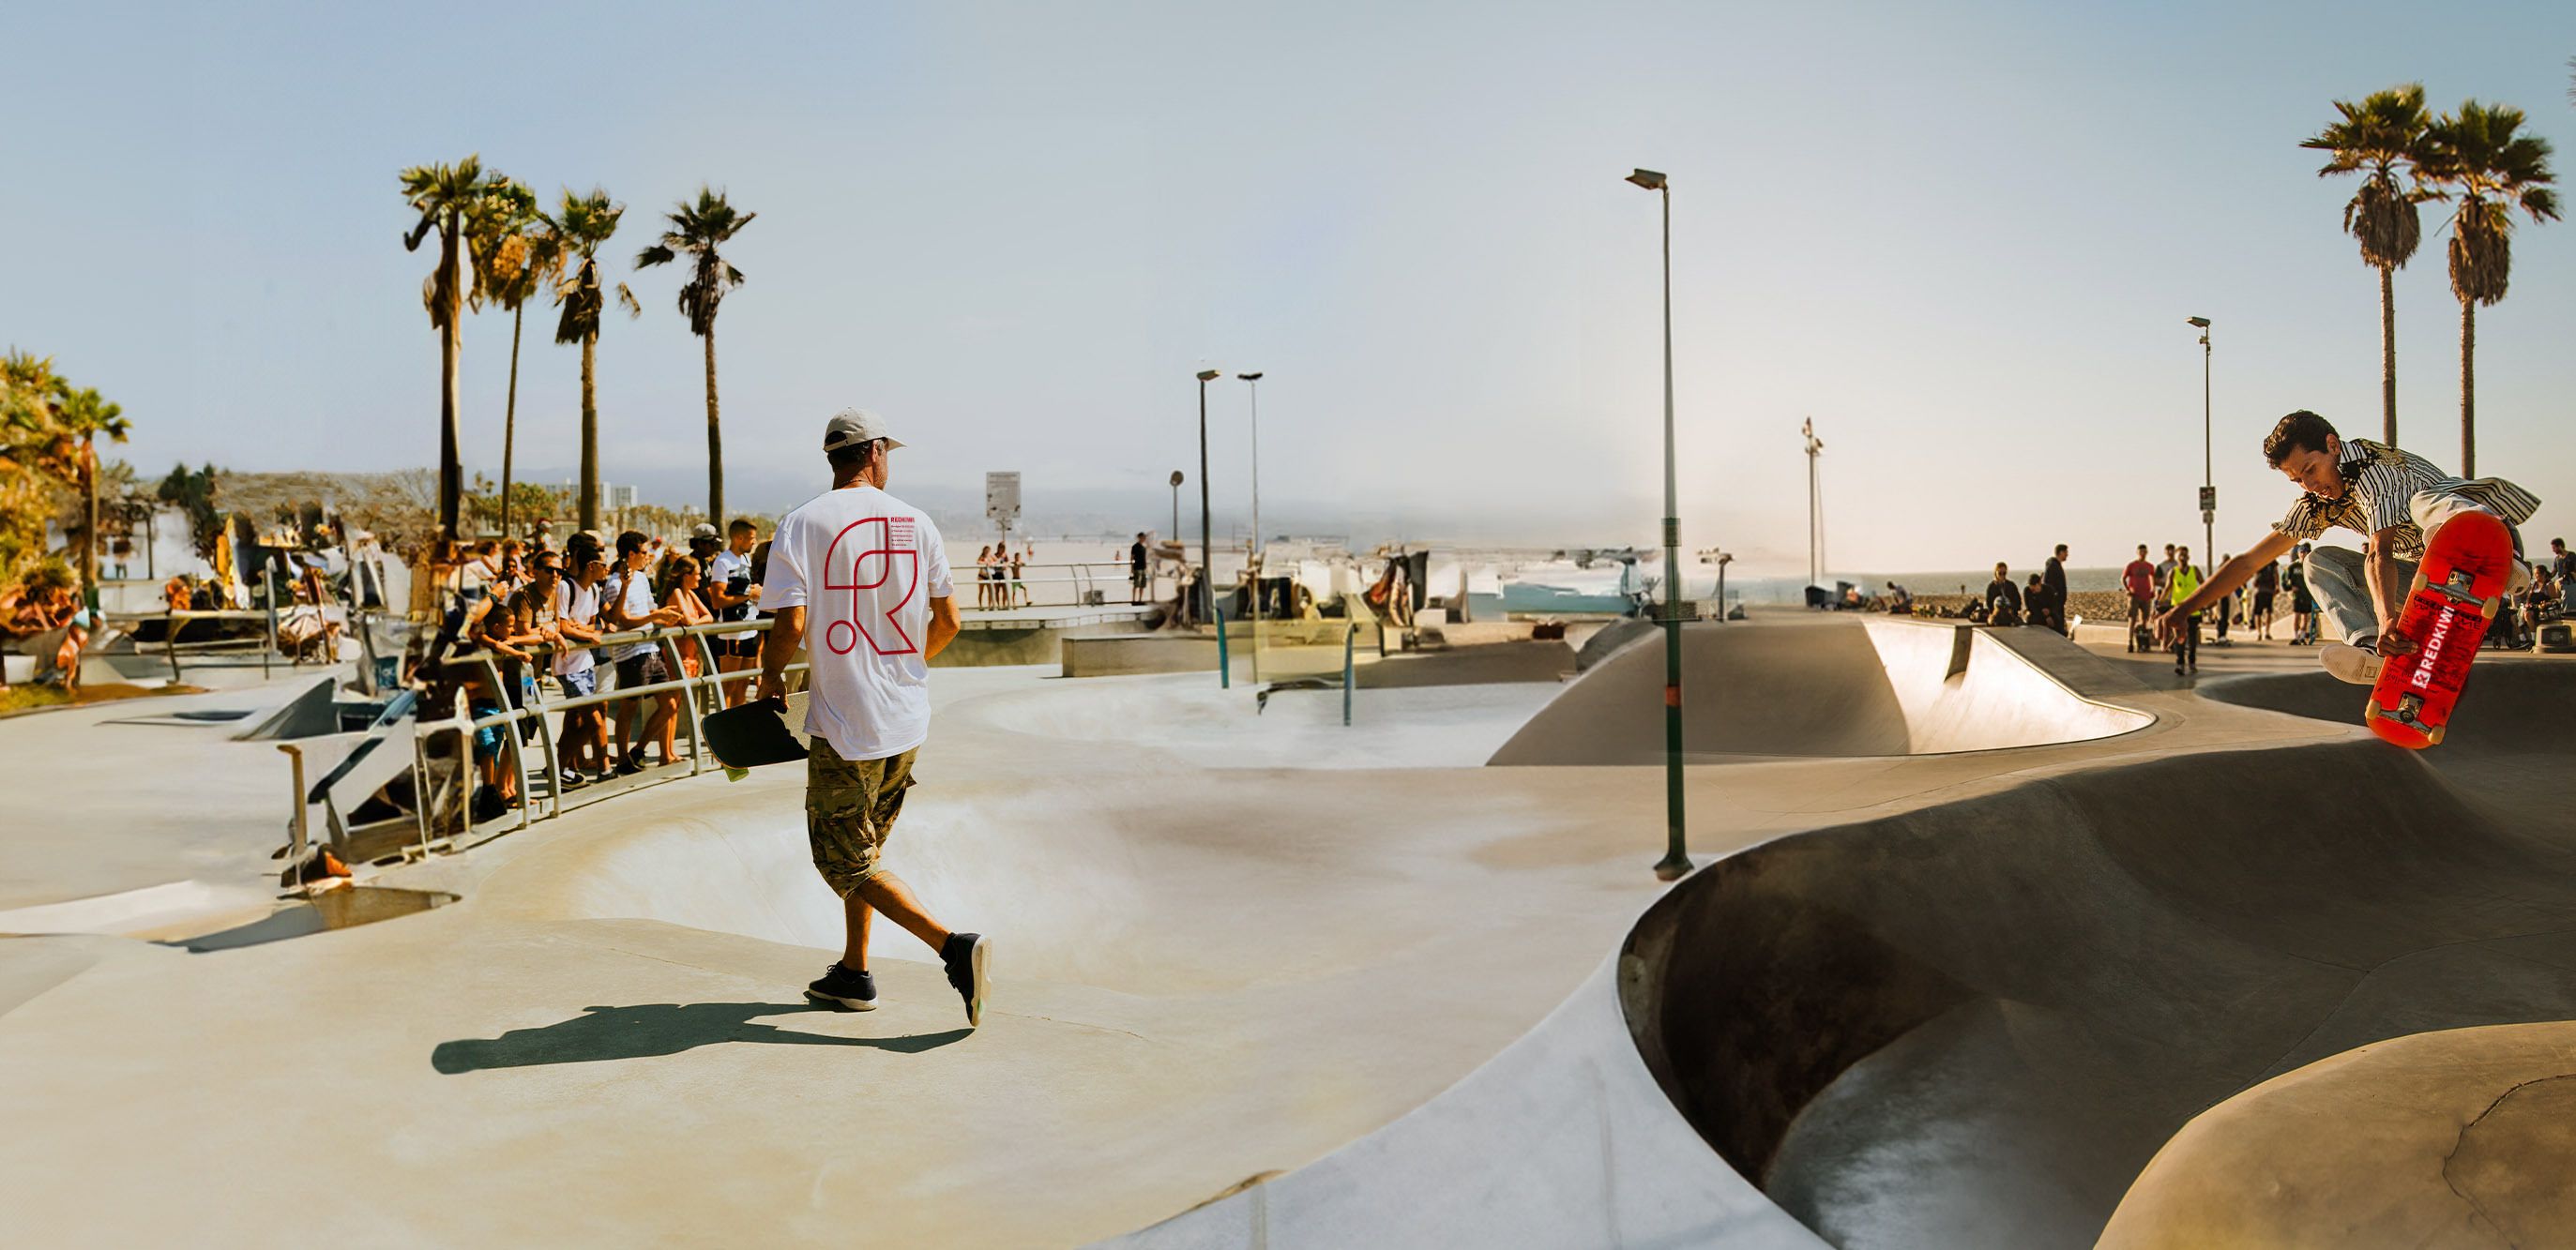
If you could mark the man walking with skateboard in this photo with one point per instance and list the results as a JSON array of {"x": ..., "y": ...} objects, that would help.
[
  {"x": 2396, "y": 498},
  {"x": 860, "y": 580}
]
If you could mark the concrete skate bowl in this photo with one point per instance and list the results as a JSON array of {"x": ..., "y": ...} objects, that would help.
[
  {"x": 2508, "y": 748},
  {"x": 1974, "y": 1024},
  {"x": 1822, "y": 688}
]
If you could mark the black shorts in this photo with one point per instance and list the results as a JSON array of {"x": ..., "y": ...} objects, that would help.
[
  {"x": 2262, "y": 602},
  {"x": 745, "y": 648},
  {"x": 642, "y": 670}
]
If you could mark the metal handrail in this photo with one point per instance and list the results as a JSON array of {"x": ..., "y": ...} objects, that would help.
[{"x": 669, "y": 637}]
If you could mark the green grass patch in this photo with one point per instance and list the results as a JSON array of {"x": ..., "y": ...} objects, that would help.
[{"x": 21, "y": 698}]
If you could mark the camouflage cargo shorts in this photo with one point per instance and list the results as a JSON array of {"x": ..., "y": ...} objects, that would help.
[{"x": 850, "y": 806}]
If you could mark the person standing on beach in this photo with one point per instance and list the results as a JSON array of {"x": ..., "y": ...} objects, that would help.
[
  {"x": 2164, "y": 576},
  {"x": 2054, "y": 577},
  {"x": 1140, "y": 578},
  {"x": 860, "y": 579},
  {"x": 2139, "y": 579}
]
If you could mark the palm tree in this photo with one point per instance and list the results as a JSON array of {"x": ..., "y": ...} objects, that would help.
[
  {"x": 2475, "y": 156},
  {"x": 447, "y": 196},
  {"x": 576, "y": 231},
  {"x": 514, "y": 257},
  {"x": 82, "y": 414},
  {"x": 2381, "y": 137},
  {"x": 697, "y": 229}
]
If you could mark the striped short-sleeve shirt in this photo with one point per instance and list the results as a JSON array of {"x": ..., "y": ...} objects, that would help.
[{"x": 2380, "y": 485}]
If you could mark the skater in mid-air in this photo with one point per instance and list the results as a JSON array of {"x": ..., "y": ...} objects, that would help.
[{"x": 2395, "y": 499}]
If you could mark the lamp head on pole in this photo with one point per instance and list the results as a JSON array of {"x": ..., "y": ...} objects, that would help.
[
  {"x": 1210, "y": 375},
  {"x": 1250, "y": 377},
  {"x": 1176, "y": 478},
  {"x": 2202, "y": 322},
  {"x": 1648, "y": 179}
]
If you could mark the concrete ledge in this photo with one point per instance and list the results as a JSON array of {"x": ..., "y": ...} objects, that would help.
[{"x": 1128, "y": 654}]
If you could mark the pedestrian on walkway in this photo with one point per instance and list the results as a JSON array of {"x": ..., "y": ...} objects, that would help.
[
  {"x": 2181, "y": 585},
  {"x": 860, "y": 579}
]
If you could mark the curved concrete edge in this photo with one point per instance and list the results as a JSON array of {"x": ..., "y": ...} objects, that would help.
[
  {"x": 2462, "y": 1137},
  {"x": 1563, "y": 1139},
  {"x": 1879, "y": 687}
]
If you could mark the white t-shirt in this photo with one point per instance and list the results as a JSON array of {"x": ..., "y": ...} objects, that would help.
[
  {"x": 633, "y": 594},
  {"x": 720, "y": 572},
  {"x": 580, "y": 605},
  {"x": 865, "y": 566}
]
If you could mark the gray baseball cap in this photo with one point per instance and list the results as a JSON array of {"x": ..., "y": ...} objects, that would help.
[
  {"x": 702, "y": 530},
  {"x": 850, "y": 426}
]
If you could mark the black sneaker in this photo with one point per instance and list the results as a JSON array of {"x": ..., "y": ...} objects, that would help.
[
  {"x": 964, "y": 955},
  {"x": 571, "y": 780},
  {"x": 633, "y": 764},
  {"x": 856, "y": 991}
]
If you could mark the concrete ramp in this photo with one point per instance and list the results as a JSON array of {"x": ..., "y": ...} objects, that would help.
[
  {"x": 1973, "y": 1024},
  {"x": 1831, "y": 687}
]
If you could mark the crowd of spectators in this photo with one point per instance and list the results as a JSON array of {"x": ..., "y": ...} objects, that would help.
[{"x": 549, "y": 615}]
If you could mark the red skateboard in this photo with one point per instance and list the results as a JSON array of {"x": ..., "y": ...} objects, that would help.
[{"x": 2458, "y": 589}]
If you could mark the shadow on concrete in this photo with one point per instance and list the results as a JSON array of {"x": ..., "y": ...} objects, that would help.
[{"x": 604, "y": 1033}]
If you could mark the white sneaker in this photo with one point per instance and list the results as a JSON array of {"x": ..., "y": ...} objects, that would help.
[{"x": 2358, "y": 665}]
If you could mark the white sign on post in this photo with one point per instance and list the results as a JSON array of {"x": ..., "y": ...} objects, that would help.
[{"x": 1002, "y": 498}]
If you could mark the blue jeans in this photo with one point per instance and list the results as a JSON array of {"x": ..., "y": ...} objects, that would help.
[{"x": 2340, "y": 583}]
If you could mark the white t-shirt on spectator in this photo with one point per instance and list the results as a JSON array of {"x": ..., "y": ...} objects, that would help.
[
  {"x": 633, "y": 595},
  {"x": 580, "y": 605},
  {"x": 720, "y": 572},
  {"x": 865, "y": 566}
]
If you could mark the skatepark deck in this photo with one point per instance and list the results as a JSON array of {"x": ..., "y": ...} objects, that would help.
[{"x": 1266, "y": 981}]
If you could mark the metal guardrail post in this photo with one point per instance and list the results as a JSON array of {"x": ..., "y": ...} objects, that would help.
[
  {"x": 171, "y": 637},
  {"x": 301, "y": 841},
  {"x": 518, "y": 765},
  {"x": 1224, "y": 667},
  {"x": 268, "y": 646},
  {"x": 545, "y": 736},
  {"x": 688, "y": 702},
  {"x": 1350, "y": 634}
]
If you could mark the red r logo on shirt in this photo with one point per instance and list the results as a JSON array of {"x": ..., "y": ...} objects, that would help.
[{"x": 891, "y": 540}]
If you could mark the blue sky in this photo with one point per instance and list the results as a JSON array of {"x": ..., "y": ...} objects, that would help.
[{"x": 1964, "y": 240}]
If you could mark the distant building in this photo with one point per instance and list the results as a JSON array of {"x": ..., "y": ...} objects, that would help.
[{"x": 619, "y": 497}]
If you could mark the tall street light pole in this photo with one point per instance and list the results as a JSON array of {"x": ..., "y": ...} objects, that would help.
[
  {"x": 1676, "y": 860},
  {"x": 2208, "y": 481},
  {"x": 1816, "y": 568},
  {"x": 1207, "y": 542},
  {"x": 1252, "y": 381},
  {"x": 1176, "y": 505}
]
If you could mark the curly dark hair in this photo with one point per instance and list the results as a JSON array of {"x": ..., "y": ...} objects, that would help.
[{"x": 2300, "y": 431}]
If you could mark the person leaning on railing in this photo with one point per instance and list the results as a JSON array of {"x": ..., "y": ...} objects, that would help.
[
  {"x": 628, "y": 605},
  {"x": 585, "y": 729}
]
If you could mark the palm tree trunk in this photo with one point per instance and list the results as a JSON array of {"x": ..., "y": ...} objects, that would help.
[
  {"x": 589, "y": 433},
  {"x": 2468, "y": 388},
  {"x": 510, "y": 417},
  {"x": 451, "y": 470},
  {"x": 715, "y": 440},
  {"x": 2388, "y": 355}
]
